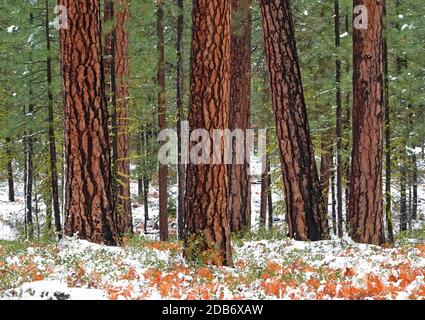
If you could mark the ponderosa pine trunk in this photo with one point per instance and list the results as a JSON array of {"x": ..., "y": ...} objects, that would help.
[
  {"x": 162, "y": 122},
  {"x": 366, "y": 224},
  {"x": 88, "y": 207},
  {"x": 181, "y": 167},
  {"x": 52, "y": 140},
  {"x": 239, "y": 116},
  {"x": 300, "y": 176},
  {"x": 206, "y": 199}
]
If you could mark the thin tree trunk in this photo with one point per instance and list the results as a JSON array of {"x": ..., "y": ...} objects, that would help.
[
  {"x": 325, "y": 176},
  {"x": 333, "y": 195},
  {"x": 270, "y": 199},
  {"x": 163, "y": 169},
  {"x": 415, "y": 186},
  {"x": 206, "y": 199},
  {"x": 52, "y": 140},
  {"x": 388, "y": 148},
  {"x": 9, "y": 167},
  {"x": 301, "y": 180},
  {"x": 120, "y": 142},
  {"x": 265, "y": 188},
  {"x": 181, "y": 167},
  {"x": 89, "y": 200},
  {"x": 339, "y": 173},
  {"x": 239, "y": 117},
  {"x": 403, "y": 198},
  {"x": 366, "y": 224}
]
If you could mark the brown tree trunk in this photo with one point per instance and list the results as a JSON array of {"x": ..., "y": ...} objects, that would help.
[
  {"x": 325, "y": 177},
  {"x": 120, "y": 142},
  {"x": 10, "y": 180},
  {"x": 52, "y": 140},
  {"x": 301, "y": 181},
  {"x": 206, "y": 200},
  {"x": 181, "y": 167},
  {"x": 163, "y": 169},
  {"x": 89, "y": 210},
  {"x": 239, "y": 116},
  {"x": 366, "y": 169}
]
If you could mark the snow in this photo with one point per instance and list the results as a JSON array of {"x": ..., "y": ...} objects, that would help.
[{"x": 272, "y": 269}]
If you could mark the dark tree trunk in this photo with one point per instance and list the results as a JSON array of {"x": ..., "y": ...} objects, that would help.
[
  {"x": 388, "y": 148},
  {"x": 206, "y": 200},
  {"x": 366, "y": 169},
  {"x": 333, "y": 195},
  {"x": 29, "y": 180},
  {"x": 270, "y": 200},
  {"x": 414, "y": 186},
  {"x": 339, "y": 173},
  {"x": 89, "y": 201},
  {"x": 181, "y": 167},
  {"x": 301, "y": 181},
  {"x": 52, "y": 140},
  {"x": 239, "y": 116},
  {"x": 325, "y": 176},
  {"x": 265, "y": 187},
  {"x": 9, "y": 168},
  {"x": 403, "y": 198},
  {"x": 163, "y": 169}
]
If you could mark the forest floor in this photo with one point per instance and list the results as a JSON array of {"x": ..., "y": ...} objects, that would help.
[{"x": 267, "y": 265}]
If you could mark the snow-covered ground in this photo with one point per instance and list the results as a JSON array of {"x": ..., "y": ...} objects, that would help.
[
  {"x": 147, "y": 269},
  {"x": 273, "y": 269}
]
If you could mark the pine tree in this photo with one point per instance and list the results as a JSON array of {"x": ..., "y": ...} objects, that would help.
[
  {"x": 206, "y": 200},
  {"x": 366, "y": 224},
  {"x": 301, "y": 181},
  {"x": 89, "y": 210}
]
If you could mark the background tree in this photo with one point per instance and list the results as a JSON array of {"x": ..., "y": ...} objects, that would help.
[
  {"x": 302, "y": 190},
  {"x": 366, "y": 224}
]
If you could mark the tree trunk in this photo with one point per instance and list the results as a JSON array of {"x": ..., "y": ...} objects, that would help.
[
  {"x": 265, "y": 187},
  {"x": 181, "y": 167},
  {"x": 333, "y": 195},
  {"x": 120, "y": 142},
  {"x": 388, "y": 148},
  {"x": 325, "y": 177},
  {"x": 89, "y": 209},
  {"x": 29, "y": 180},
  {"x": 339, "y": 173},
  {"x": 206, "y": 200},
  {"x": 239, "y": 116},
  {"x": 163, "y": 169},
  {"x": 414, "y": 186},
  {"x": 270, "y": 200},
  {"x": 301, "y": 181},
  {"x": 9, "y": 167},
  {"x": 52, "y": 140},
  {"x": 366, "y": 168},
  {"x": 403, "y": 198}
]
